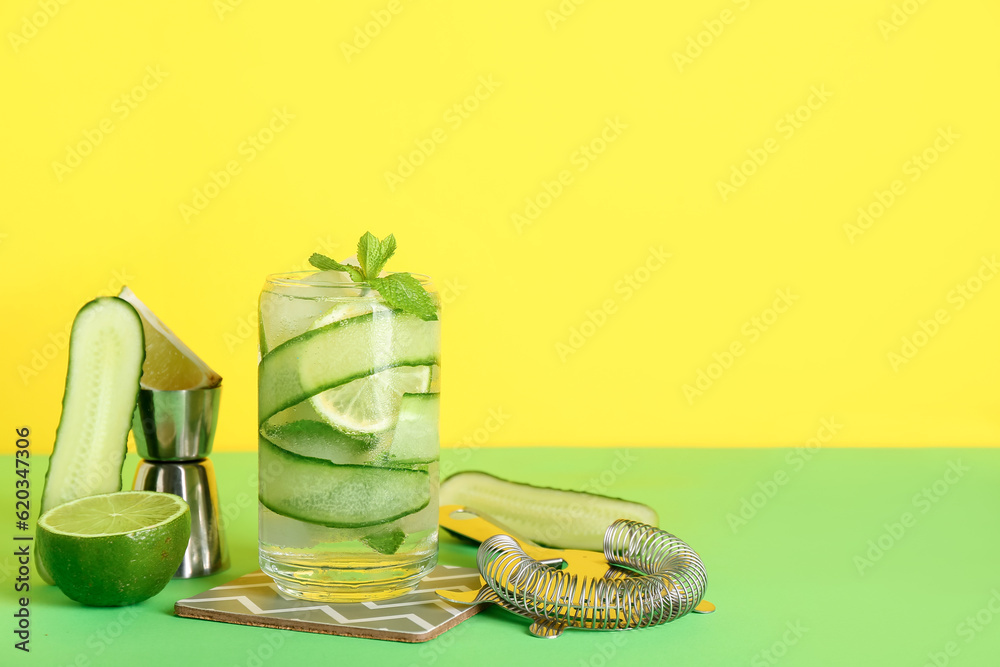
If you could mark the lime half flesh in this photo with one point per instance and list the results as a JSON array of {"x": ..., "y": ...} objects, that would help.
[{"x": 114, "y": 549}]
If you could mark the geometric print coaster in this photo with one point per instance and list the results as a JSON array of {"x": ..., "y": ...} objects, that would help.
[{"x": 253, "y": 599}]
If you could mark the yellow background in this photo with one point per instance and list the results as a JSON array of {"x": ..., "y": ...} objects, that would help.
[{"x": 517, "y": 292}]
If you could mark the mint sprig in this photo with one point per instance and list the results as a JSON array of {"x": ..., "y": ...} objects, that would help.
[
  {"x": 373, "y": 254},
  {"x": 403, "y": 291},
  {"x": 386, "y": 542},
  {"x": 324, "y": 263},
  {"x": 400, "y": 290}
]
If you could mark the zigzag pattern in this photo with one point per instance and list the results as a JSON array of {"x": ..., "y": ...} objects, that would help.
[{"x": 255, "y": 595}]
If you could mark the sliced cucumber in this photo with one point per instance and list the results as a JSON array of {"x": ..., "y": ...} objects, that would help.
[
  {"x": 340, "y": 352},
  {"x": 340, "y": 496},
  {"x": 106, "y": 352},
  {"x": 416, "y": 438},
  {"x": 319, "y": 440},
  {"x": 550, "y": 517}
]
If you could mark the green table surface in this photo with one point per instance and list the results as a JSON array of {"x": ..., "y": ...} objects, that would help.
[{"x": 847, "y": 557}]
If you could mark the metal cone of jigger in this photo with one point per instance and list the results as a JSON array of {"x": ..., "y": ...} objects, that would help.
[{"x": 173, "y": 433}]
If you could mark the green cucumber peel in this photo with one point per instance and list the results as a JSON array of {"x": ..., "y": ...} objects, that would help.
[
  {"x": 106, "y": 352},
  {"x": 324, "y": 493},
  {"x": 281, "y": 375},
  {"x": 550, "y": 517}
]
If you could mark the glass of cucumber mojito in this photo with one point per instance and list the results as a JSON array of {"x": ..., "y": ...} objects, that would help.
[{"x": 348, "y": 388}]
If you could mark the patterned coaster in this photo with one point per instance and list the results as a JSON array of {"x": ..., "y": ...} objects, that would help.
[{"x": 253, "y": 599}]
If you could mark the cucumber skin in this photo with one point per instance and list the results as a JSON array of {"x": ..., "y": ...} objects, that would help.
[
  {"x": 278, "y": 452},
  {"x": 267, "y": 407},
  {"x": 135, "y": 397},
  {"x": 433, "y": 398},
  {"x": 540, "y": 542}
]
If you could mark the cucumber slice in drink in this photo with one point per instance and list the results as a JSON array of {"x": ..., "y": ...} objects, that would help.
[
  {"x": 106, "y": 353},
  {"x": 288, "y": 308},
  {"x": 319, "y": 440},
  {"x": 551, "y": 517},
  {"x": 339, "y": 496},
  {"x": 340, "y": 352},
  {"x": 368, "y": 405},
  {"x": 416, "y": 438}
]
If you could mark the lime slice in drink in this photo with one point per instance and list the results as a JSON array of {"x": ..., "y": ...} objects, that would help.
[
  {"x": 114, "y": 549},
  {"x": 170, "y": 364},
  {"x": 369, "y": 404}
]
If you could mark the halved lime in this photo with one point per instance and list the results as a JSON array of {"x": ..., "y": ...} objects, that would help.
[
  {"x": 170, "y": 364},
  {"x": 114, "y": 549}
]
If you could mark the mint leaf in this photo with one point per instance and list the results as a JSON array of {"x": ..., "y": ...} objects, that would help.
[
  {"x": 368, "y": 253},
  {"x": 386, "y": 542},
  {"x": 403, "y": 291},
  {"x": 373, "y": 254},
  {"x": 388, "y": 250},
  {"x": 400, "y": 290},
  {"x": 324, "y": 263}
]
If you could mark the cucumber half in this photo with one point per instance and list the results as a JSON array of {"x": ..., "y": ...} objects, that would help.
[
  {"x": 339, "y": 496},
  {"x": 550, "y": 517},
  {"x": 106, "y": 352}
]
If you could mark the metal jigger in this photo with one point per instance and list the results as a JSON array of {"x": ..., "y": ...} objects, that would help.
[{"x": 173, "y": 433}]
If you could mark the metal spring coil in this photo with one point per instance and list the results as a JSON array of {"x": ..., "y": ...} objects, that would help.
[{"x": 672, "y": 581}]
